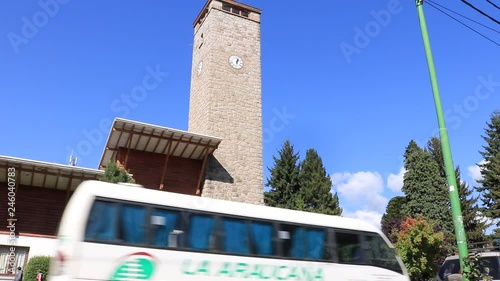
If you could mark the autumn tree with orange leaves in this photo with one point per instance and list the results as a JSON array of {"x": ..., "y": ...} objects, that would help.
[{"x": 419, "y": 247}]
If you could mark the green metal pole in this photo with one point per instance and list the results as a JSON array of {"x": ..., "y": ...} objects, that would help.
[{"x": 445, "y": 144}]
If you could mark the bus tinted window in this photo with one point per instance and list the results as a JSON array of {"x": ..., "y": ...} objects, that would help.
[
  {"x": 379, "y": 254},
  {"x": 315, "y": 244},
  {"x": 261, "y": 238},
  {"x": 302, "y": 242},
  {"x": 235, "y": 237},
  {"x": 132, "y": 224},
  {"x": 101, "y": 224},
  {"x": 124, "y": 223},
  {"x": 348, "y": 248},
  {"x": 165, "y": 228},
  {"x": 201, "y": 232}
]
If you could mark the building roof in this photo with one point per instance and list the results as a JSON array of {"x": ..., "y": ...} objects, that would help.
[
  {"x": 45, "y": 174},
  {"x": 152, "y": 138}
]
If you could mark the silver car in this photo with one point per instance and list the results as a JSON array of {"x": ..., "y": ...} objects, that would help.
[{"x": 489, "y": 260}]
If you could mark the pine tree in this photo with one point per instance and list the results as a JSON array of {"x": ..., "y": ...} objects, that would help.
[
  {"x": 315, "y": 187},
  {"x": 284, "y": 179},
  {"x": 473, "y": 224},
  {"x": 490, "y": 169},
  {"x": 393, "y": 217},
  {"x": 425, "y": 188},
  {"x": 434, "y": 148},
  {"x": 113, "y": 173}
]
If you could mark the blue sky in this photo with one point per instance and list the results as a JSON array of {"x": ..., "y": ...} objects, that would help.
[{"x": 350, "y": 77}]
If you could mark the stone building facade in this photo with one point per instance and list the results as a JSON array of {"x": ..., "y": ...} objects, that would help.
[
  {"x": 226, "y": 99},
  {"x": 220, "y": 156}
]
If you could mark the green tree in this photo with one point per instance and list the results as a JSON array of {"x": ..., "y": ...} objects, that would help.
[
  {"x": 473, "y": 225},
  {"x": 436, "y": 151},
  {"x": 393, "y": 217},
  {"x": 425, "y": 188},
  {"x": 315, "y": 187},
  {"x": 36, "y": 263},
  {"x": 113, "y": 173},
  {"x": 284, "y": 179},
  {"x": 419, "y": 247},
  {"x": 490, "y": 169}
]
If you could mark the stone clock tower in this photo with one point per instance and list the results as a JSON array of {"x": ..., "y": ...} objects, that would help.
[{"x": 225, "y": 99}]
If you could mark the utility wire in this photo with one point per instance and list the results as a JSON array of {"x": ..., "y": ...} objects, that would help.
[
  {"x": 476, "y": 22},
  {"x": 493, "y": 4},
  {"x": 479, "y": 11},
  {"x": 435, "y": 7}
]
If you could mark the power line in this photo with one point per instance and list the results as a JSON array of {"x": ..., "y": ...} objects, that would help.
[
  {"x": 476, "y": 22},
  {"x": 479, "y": 11},
  {"x": 493, "y": 4},
  {"x": 482, "y": 35}
]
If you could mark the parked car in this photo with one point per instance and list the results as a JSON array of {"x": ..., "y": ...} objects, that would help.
[{"x": 489, "y": 257}]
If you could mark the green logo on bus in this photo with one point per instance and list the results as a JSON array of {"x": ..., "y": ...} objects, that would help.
[{"x": 136, "y": 266}]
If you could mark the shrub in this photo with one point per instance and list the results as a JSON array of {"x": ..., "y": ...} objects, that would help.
[
  {"x": 34, "y": 264},
  {"x": 114, "y": 173}
]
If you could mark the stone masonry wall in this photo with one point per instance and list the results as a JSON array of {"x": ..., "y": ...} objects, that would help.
[{"x": 226, "y": 103}]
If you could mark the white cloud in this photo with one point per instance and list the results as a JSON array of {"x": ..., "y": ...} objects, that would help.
[
  {"x": 370, "y": 217},
  {"x": 475, "y": 171},
  {"x": 358, "y": 184},
  {"x": 362, "y": 189},
  {"x": 395, "y": 182},
  {"x": 377, "y": 203}
]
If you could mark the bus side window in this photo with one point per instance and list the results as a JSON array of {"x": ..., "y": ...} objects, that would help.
[
  {"x": 235, "y": 236},
  {"x": 349, "y": 248},
  {"x": 380, "y": 254},
  {"x": 303, "y": 243},
  {"x": 132, "y": 224},
  {"x": 315, "y": 244},
  {"x": 165, "y": 228},
  {"x": 201, "y": 232},
  {"x": 261, "y": 238},
  {"x": 102, "y": 220}
]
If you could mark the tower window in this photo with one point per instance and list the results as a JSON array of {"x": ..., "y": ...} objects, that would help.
[{"x": 235, "y": 10}]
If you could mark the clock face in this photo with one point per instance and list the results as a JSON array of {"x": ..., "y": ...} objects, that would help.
[
  {"x": 200, "y": 68},
  {"x": 236, "y": 62}
]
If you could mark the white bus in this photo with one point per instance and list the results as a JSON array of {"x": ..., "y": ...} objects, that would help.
[{"x": 123, "y": 232}]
